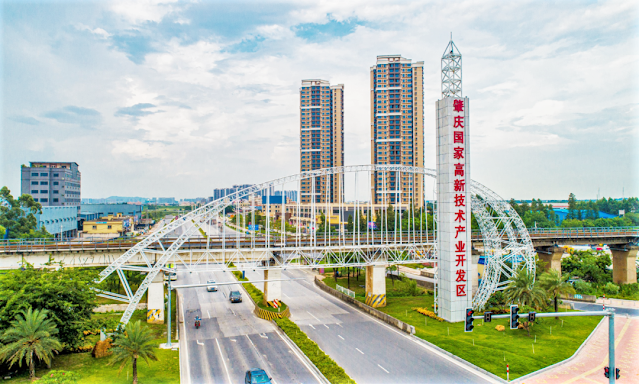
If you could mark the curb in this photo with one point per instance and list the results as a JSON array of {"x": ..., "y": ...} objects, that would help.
[
  {"x": 294, "y": 346},
  {"x": 574, "y": 355},
  {"x": 404, "y": 327},
  {"x": 421, "y": 341}
]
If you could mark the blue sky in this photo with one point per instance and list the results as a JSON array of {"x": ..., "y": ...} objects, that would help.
[{"x": 172, "y": 98}]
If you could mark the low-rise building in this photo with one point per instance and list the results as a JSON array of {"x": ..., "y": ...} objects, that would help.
[
  {"x": 62, "y": 222},
  {"x": 109, "y": 226}
]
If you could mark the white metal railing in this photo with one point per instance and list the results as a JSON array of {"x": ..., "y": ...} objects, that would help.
[{"x": 345, "y": 291}]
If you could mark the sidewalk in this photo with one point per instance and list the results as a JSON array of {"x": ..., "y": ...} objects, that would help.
[{"x": 588, "y": 365}]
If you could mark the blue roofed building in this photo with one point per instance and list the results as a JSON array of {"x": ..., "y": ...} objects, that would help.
[{"x": 562, "y": 214}]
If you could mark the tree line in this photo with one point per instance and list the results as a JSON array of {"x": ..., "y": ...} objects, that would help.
[{"x": 580, "y": 213}]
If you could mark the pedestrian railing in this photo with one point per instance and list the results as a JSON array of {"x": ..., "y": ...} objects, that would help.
[{"x": 345, "y": 291}]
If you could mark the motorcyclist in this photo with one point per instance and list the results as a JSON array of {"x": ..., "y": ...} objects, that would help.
[{"x": 197, "y": 321}]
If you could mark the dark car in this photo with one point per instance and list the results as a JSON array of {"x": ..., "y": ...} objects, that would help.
[
  {"x": 256, "y": 376},
  {"x": 235, "y": 297}
]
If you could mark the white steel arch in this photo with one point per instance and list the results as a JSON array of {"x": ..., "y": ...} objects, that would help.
[{"x": 505, "y": 239}]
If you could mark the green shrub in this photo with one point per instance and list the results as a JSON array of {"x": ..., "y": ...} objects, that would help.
[
  {"x": 333, "y": 372},
  {"x": 611, "y": 289},
  {"x": 583, "y": 287},
  {"x": 629, "y": 289}
]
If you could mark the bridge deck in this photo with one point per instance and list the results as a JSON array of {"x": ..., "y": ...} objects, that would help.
[{"x": 540, "y": 237}]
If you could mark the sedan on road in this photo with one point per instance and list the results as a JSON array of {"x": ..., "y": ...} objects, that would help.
[
  {"x": 256, "y": 376},
  {"x": 212, "y": 287},
  {"x": 235, "y": 297}
]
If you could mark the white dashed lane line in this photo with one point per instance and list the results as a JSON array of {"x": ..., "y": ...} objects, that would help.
[
  {"x": 358, "y": 350},
  {"x": 383, "y": 369},
  {"x": 340, "y": 336}
]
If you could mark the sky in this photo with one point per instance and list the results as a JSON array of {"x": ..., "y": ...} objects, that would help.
[{"x": 176, "y": 98}]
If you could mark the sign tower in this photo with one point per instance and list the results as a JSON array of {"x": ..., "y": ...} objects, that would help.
[{"x": 453, "y": 191}]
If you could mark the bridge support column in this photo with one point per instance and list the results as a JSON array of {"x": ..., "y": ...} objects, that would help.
[
  {"x": 155, "y": 300},
  {"x": 376, "y": 286},
  {"x": 551, "y": 256},
  {"x": 272, "y": 290},
  {"x": 624, "y": 267}
]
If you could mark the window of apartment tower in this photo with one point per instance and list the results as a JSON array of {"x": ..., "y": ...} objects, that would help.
[{"x": 95, "y": 227}]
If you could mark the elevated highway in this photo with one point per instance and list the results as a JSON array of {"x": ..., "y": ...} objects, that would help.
[{"x": 101, "y": 253}]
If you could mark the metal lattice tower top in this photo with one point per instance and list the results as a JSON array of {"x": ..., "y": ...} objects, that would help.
[{"x": 451, "y": 71}]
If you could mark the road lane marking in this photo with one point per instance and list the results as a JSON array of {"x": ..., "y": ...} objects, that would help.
[
  {"x": 207, "y": 311},
  {"x": 263, "y": 336},
  {"x": 383, "y": 369},
  {"x": 313, "y": 316},
  {"x": 311, "y": 325},
  {"x": 198, "y": 342},
  {"x": 340, "y": 325},
  {"x": 359, "y": 351},
  {"x": 299, "y": 357},
  {"x": 228, "y": 376},
  {"x": 233, "y": 340},
  {"x": 340, "y": 336}
]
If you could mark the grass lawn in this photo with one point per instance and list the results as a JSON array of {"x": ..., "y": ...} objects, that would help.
[
  {"x": 91, "y": 370},
  {"x": 486, "y": 347}
]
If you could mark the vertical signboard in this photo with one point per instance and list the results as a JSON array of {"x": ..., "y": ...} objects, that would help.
[{"x": 453, "y": 208}]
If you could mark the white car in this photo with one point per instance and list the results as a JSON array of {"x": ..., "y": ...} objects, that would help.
[{"x": 211, "y": 288}]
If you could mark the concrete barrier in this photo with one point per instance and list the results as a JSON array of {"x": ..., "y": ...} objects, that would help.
[
  {"x": 370, "y": 310},
  {"x": 579, "y": 297},
  {"x": 116, "y": 307}
]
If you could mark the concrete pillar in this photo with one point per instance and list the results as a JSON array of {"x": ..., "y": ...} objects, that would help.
[
  {"x": 551, "y": 256},
  {"x": 272, "y": 290},
  {"x": 376, "y": 286},
  {"x": 624, "y": 267},
  {"x": 155, "y": 300}
]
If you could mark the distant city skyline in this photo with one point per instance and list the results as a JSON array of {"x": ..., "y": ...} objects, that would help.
[{"x": 177, "y": 98}]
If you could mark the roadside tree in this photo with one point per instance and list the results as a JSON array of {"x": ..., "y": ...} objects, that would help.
[
  {"x": 30, "y": 337},
  {"x": 136, "y": 342}
]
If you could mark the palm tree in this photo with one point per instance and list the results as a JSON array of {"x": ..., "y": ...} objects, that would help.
[
  {"x": 30, "y": 336},
  {"x": 555, "y": 285},
  {"x": 522, "y": 289},
  {"x": 136, "y": 342}
]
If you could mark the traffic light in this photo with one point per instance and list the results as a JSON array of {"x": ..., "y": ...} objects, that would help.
[
  {"x": 617, "y": 371},
  {"x": 514, "y": 317},
  {"x": 607, "y": 372},
  {"x": 531, "y": 316},
  {"x": 469, "y": 320},
  {"x": 488, "y": 317}
]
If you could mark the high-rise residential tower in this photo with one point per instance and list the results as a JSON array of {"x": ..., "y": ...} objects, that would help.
[
  {"x": 397, "y": 128},
  {"x": 321, "y": 138}
]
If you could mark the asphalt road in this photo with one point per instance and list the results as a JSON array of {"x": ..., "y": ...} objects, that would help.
[
  {"x": 231, "y": 339},
  {"x": 369, "y": 350},
  {"x": 598, "y": 307}
]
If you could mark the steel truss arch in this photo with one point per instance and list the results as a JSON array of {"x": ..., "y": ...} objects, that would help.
[{"x": 505, "y": 238}]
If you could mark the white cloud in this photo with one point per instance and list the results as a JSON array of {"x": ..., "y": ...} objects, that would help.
[
  {"x": 137, "y": 149},
  {"x": 531, "y": 70}
]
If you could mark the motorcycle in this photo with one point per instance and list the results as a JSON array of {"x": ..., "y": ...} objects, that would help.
[{"x": 197, "y": 323}]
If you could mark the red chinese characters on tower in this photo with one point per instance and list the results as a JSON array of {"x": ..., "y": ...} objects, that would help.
[{"x": 460, "y": 213}]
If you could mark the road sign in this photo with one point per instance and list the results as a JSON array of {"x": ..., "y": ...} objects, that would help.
[{"x": 254, "y": 227}]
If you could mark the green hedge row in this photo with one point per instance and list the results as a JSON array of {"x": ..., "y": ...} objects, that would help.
[
  {"x": 256, "y": 294},
  {"x": 333, "y": 372}
]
